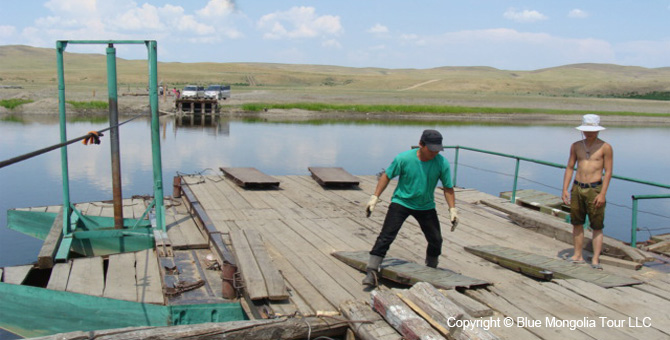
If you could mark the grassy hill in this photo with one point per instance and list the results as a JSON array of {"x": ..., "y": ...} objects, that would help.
[{"x": 34, "y": 69}]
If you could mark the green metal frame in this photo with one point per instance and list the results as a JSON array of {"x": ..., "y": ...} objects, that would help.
[
  {"x": 561, "y": 166},
  {"x": 23, "y": 305},
  {"x": 70, "y": 215}
]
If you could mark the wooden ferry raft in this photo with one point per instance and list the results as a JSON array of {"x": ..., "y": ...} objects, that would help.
[{"x": 300, "y": 223}]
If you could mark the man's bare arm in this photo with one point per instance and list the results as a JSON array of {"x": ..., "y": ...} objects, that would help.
[
  {"x": 608, "y": 161},
  {"x": 567, "y": 177}
]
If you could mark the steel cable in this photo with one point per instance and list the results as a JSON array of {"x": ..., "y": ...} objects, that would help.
[{"x": 57, "y": 146}]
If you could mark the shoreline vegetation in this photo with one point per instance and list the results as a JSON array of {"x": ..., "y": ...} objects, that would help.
[{"x": 315, "y": 111}]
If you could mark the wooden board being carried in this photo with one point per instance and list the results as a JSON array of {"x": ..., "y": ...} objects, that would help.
[
  {"x": 548, "y": 268},
  {"x": 409, "y": 273},
  {"x": 250, "y": 178},
  {"x": 333, "y": 177}
]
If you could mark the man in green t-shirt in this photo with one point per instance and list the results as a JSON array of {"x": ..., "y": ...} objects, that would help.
[{"x": 418, "y": 171}]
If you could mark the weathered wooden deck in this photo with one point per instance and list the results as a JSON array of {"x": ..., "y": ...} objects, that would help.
[{"x": 301, "y": 223}]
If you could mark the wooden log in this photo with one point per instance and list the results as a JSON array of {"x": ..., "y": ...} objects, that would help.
[
  {"x": 408, "y": 298},
  {"x": 471, "y": 306},
  {"x": 661, "y": 237},
  {"x": 437, "y": 305},
  {"x": 45, "y": 259},
  {"x": 277, "y": 329},
  {"x": 375, "y": 329},
  {"x": 401, "y": 317},
  {"x": 659, "y": 247},
  {"x": 613, "y": 261}
]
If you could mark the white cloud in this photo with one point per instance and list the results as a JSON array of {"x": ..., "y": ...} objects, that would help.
[
  {"x": 7, "y": 31},
  {"x": 378, "y": 28},
  {"x": 524, "y": 16},
  {"x": 217, "y": 9},
  {"x": 506, "y": 48},
  {"x": 578, "y": 14},
  {"x": 332, "y": 43},
  {"x": 299, "y": 22}
]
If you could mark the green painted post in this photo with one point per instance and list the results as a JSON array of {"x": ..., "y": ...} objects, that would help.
[
  {"x": 155, "y": 135},
  {"x": 516, "y": 179},
  {"x": 114, "y": 136},
  {"x": 633, "y": 226},
  {"x": 60, "y": 48},
  {"x": 456, "y": 164}
]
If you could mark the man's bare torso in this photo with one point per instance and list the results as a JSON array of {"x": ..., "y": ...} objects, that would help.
[{"x": 590, "y": 160}]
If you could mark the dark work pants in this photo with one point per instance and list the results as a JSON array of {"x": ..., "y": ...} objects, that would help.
[{"x": 396, "y": 216}]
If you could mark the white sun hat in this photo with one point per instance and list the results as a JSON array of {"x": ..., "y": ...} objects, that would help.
[{"x": 590, "y": 122}]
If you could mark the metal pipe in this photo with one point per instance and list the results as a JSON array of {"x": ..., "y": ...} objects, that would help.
[
  {"x": 114, "y": 137},
  {"x": 155, "y": 135},
  {"x": 633, "y": 225},
  {"x": 516, "y": 180},
  {"x": 456, "y": 164},
  {"x": 60, "y": 48}
]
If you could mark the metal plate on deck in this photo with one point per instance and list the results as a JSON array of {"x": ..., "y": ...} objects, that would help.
[
  {"x": 250, "y": 178},
  {"x": 537, "y": 266},
  {"x": 333, "y": 176},
  {"x": 409, "y": 273}
]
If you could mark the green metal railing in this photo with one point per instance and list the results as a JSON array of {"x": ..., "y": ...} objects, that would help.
[
  {"x": 69, "y": 217},
  {"x": 518, "y": 159}
]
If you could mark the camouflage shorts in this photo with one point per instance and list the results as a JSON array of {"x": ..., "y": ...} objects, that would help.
[{"x": 581, "y": 205}]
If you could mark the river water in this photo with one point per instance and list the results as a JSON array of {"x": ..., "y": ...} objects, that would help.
[{"x": 362, "y": 148}]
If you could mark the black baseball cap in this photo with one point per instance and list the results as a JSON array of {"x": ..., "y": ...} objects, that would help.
[{"x": 432, "y": 139}]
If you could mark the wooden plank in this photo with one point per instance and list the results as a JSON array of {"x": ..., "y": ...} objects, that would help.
[
  {"x": 472, "y": 307},
  {"x": 17, "y": 274},
  {"x": 148, "y": 279},
  {"x": 86, "y": 276},
  {"x": 375, "y": 329},
  {"x": 60, "y": 274},
  {"x": 45, "y": 258},
  {"x": 274, "y": 282},
  {"x": 538, "y": 265},
  {"x": 328, "y": 176},
  {"x": 254, "y": 283},
  {"x": 250, "y": 177},
  {"x": 409, "y": 273},
  {"x": 302, "y": 289},
  {"x": 300, "y": 255},
  {"x": 401, "y": 317},
  {"x": 622, "y": 303},
  {"x": 120, "y": 282}
]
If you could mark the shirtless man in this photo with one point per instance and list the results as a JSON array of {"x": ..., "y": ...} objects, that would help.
[{"x": 593, "y": 156}]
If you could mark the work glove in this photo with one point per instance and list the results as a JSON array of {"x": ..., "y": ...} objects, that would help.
[
  {"x": 371, "y": 205},
  {"x": 93, "y": 137},
  {"x": 453, "y": 216}
]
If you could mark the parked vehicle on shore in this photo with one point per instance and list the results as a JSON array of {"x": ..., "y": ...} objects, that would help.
[
  {"x": 193, "y": 91},
  {"x": 218, "y": 91}
]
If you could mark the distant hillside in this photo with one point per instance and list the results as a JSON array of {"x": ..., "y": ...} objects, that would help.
[{"x": 35, "y": 67}]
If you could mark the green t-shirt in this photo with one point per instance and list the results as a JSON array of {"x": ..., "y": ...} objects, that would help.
[{"x": 417, "y": 181}]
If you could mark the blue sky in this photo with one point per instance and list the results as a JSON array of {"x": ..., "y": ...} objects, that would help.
[{"x": 511, "y": 35}]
